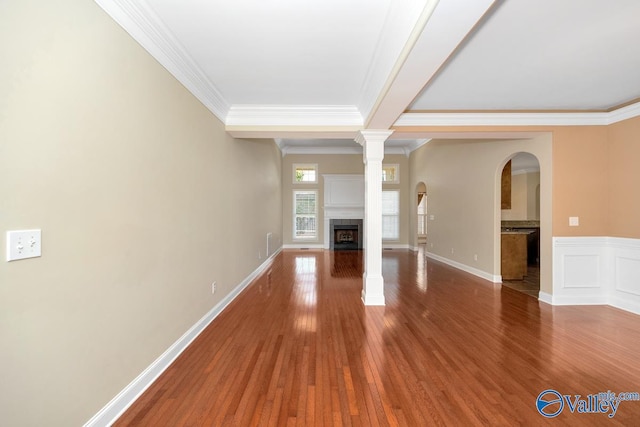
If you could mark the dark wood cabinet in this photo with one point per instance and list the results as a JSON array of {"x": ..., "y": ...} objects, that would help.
[
  {"x": 506, "y": 186},
  {"x": 514, "y": 255}
]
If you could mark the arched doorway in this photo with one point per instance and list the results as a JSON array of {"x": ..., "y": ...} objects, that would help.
[
  {"x": 421, "y": 214},
  {"x": 520, "y": 224}
]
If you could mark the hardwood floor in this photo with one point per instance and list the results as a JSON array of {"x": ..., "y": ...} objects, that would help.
[{"x": 298, "y": 347}]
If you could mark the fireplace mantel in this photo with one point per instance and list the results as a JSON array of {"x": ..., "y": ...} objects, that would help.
[{"x": 343, "y": 199}]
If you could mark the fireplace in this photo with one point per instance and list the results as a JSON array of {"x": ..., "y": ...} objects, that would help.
[{"x": 345, "y": 234}]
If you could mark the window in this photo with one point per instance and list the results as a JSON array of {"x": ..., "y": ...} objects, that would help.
[
  {"x": 305, "y": 173},
  {"x": 305, "y": 213},
  {"x": 391, "y": 215},
  {"x": 422, "y": 214},
  {"x": 391, "y": 174}
]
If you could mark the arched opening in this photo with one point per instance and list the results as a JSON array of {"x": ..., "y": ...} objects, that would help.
[
  {"x": 520, "y": 224},
  {"x": 421, "y": 213}
]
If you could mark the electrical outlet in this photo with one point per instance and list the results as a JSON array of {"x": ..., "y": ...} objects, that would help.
[
  {"x": 452, "y": 251},
  {"x": 475, "y": 257},
  {"x": 213, "y": 288},
  {"x": 259, "y": 255}
]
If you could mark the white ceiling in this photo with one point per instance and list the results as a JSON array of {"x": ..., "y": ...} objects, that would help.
[
  {"x": 312, "y": 52},
  {"x": 544, "y": 55},
  {"x": 310, "y": 73}
]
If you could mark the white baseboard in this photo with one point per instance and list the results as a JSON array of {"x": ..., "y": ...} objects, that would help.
[
  {"x": 394, "y": 246},
  {"x": 482, "y": 274},
  {"x": 116, "y": 407},
  {"x": 545, "y": 297}
]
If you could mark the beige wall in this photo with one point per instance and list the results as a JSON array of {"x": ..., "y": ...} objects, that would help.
[
  {"x": 463, "y": 191},
  {"x": 596, "y": 177},
  {"x": 142, "y": 198},
  {"x": 580, "y": 180},
  {"x": 593, "y": 176},
  {"x": 623, "y": 198},
  {"x": 533, "y": 196},
  {"x": 338, "y": 164}
]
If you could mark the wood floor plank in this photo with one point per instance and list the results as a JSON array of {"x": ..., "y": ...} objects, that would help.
[{"x": 298, "y": 347}]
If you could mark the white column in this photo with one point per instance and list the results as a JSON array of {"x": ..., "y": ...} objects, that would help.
[{"x": 372, "y": 142}]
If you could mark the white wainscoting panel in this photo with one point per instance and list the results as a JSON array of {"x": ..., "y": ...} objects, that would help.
[
  {"x": 582, "y": 271},
  {"x": 625, "y": 292},
  {"x": 627, "y": 271},
  {"x": 596, "y": 270}
]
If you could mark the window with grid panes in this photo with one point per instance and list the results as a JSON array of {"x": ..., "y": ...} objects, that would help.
[
  {"x": 305, "y": 213},
  {"x": 390, "y": 215},
  {"x": 305, "y": 173},
  {"x": 390, "y": 173}
]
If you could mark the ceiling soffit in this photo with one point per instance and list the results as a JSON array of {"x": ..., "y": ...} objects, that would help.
[{"x": 480, "y": 118}]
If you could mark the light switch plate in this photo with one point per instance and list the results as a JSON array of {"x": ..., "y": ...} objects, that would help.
[{"x": 23, "y": 244}]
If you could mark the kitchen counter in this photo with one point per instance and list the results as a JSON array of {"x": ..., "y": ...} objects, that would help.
[
  {"x": 520, "y": 224},
  {"x": 518, "y": 232}
]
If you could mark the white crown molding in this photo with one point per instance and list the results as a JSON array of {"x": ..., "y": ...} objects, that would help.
[
  {"x": 339, "y": 150},
  {"x": 141, "y": 22},
  {"x": 624, "y": 113},
  {"x": 412, "y": 145},
  {"x": 519, "y": 119},
  {"x": 321, "y": 150},
  {"x": 372, "y": 135},
  {"x": 293, "y": 115}
]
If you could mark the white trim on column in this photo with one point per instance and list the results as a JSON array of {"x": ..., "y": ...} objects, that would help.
[{"x": 372, "y": 142}]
